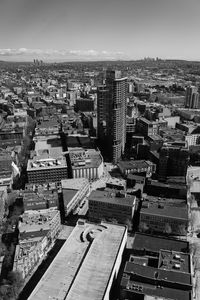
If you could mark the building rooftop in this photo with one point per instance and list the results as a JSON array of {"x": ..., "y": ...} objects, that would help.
[
  {"x": 154, "y": 291},
  {"x": 116, "y": 181},
  {"x": 30, "y": 196},
  {"x": 36, "y": 221},
  {"x": 134, "y": 164},
  {"x": 153, "y": 243},
  {"x": 112, "y": 197},
  {"x": 89, "y": 158},
  {"x": 74, "y": 183},
  {"x": 173, "y": 185},
  {"x": 164, "y": 211},
  {"x": 174, "y": 261},
  {"x": 75, "y": 273},
  {"x": 68, "y": 194},
  {"x": 46, "y": 163},
  {"x": 159, "y": 274}
]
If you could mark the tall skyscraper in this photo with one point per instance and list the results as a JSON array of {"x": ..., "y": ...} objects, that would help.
[
  {"x": 192, "y": 97},
  {"x": 111, "y": 114}
]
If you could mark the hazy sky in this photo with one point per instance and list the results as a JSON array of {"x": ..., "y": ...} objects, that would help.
[{"x": 99, "y": 29}]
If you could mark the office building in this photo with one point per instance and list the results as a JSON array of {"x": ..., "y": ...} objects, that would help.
[
  {"x": 111, "y": 206},
  {"x": 146, "y": 127},
  {"x": 136, "y": 166},
  {"x": 111, "y": 114},
  {"x": 173, "y": 160},
  {"x": 86, "y": 266},
  {"x": 87, "y": 163},
  {"x": 166, "y": 189},
  {"x": 158, "y": 217},
  {"x": 84, "y": 104},
  {"x": 46, "y": 170}
]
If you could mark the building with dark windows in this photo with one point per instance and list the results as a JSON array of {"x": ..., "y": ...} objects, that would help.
[
  {"x": 111, "y": 205},
  {"x": 173, "y": 160},
  {"x": 111, "y": 114},
  {"x": 46, "y": 170},
  {"x": 161, "y": 218},
  {"x": 192, "y": 97},
  {"x": 136, "y": 166}
]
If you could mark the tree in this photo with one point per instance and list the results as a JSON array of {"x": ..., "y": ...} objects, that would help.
[
  {"x": 129, "y": 224},
  {"x": 11, "y": 287},
  {"x": 168, "y": 228},
  {"x": 143, "y": 227},
  {"x": 182, "y": 230}
]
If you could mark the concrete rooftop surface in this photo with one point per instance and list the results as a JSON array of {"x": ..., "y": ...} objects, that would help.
[{"x": 82, "y": 267}]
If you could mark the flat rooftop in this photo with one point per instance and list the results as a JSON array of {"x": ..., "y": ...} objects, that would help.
[
  {"x": 38, "y": 163},
  {"x": 81, "y": 158},
  {"x": 172, "y": 260},
  {"x": 68, "y": 195},
  {"x": 116, "y": 181},
  {"x": 29, "y": 195},
  {"x": 110, "y": 197},
  {"x": 165, "y": 211},
  {"x": 154, "y": 244},
  {"x": 172, "y": 185},
  {"x": 74, "y": 183},
  {"x": 159, "y": 274},
  {"x": 36, "y": 220},
  {"x": 82, "y": 268},
  {"x": 134, "y": 164},
  {"x": 155, "y": 291}
]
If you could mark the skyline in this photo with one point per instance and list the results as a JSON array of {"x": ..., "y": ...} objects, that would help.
[{"x": 99, "y": 30}]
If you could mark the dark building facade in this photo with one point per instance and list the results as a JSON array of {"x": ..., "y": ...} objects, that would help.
[
  {"x": 111, "y": 113},
  {"x": 173, "y": 161}
]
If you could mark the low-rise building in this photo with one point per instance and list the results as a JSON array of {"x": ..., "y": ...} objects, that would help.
[
  {"x": 164, "y": 189},
  {"x": 157, "y": 268},
  {"x": 116, "y": 183},
  {"x": 136, "y": 166},
  {"x": 37, "y": 232},
  {"x": 111, "y": 206},
  {"x": 87, "y": 163},
  {"x": 34, "y": 223},
  {"x": 155, "y": 217},
  {"x": 44, "y": 170},
  {"x": 136, "y": 181},
  {"x": 29, "y": 253},
  {"x": 40, "y": 199}
]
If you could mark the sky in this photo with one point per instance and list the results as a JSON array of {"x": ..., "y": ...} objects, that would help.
[{"x": 55, "y": 30}]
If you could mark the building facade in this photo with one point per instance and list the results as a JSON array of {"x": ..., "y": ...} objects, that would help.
[
  {"x": 111, "y": 113},
  {"x": 111, "y": 206}
]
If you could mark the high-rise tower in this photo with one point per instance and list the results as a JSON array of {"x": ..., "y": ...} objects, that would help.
[
  {"x": 192, "y": 97},
  {"x": 111, "y": 114}
]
